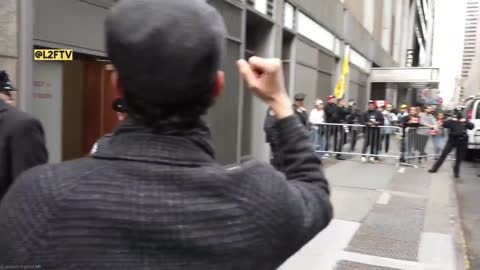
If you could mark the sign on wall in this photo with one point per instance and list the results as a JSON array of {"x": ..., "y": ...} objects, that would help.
[{"x": 47, "y": 104}]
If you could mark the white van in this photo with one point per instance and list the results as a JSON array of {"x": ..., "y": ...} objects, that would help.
[{"x": 472, "y": 112}]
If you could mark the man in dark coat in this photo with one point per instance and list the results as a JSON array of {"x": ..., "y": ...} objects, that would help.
[
  {"x": 335, "y": 114},
  {"x": 22, "y": 142},
  {"x": 299, "y": 108},
  {"x": 372, "y": 119},
  {"x": 458, "y": 139},
  {"x": 153, "y": 196}
]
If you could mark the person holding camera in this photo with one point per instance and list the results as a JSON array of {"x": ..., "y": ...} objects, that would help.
[
  {"x": 372, "y": 119},
  {"x": 457, "y": 138},
  {"x": 154, "y": 196}
]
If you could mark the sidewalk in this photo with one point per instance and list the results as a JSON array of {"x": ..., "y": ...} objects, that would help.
[
  {"x": 386, "y": 217},
  {"x": 468, "y": 190}
]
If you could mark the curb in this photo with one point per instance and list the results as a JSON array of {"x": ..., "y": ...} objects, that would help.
[{"x": 461, "y": 245}]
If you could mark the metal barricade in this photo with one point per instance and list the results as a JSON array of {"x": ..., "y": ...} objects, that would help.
[
  {"x": 419, "y": 144},
  {"x": 357, "y": 140},
  {"x": 404, "y": 145}
]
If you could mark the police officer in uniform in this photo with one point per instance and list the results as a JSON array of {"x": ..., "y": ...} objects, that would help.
[
  {"x": 457, "y": 138},
  {"x": 299, "y": 108}
]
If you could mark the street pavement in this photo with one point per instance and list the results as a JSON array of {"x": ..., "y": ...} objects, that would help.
[
  {"x": 387, "y": 217},
  {"x": 468, "y": 190}
]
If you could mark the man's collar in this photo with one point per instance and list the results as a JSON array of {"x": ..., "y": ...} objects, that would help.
[{"x": 138, "y": 143}]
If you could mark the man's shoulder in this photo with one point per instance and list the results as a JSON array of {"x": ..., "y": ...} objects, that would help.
[
  {"x": 17, "y": 119},
  {"x": 61, "y": 173},
  {"x": 251, "y": 169}
]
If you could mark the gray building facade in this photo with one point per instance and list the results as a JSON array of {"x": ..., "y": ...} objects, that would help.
[{"x": 310, "y": 36}]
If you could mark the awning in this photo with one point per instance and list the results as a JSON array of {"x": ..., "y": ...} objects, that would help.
[{"x": 411, "y": 77}]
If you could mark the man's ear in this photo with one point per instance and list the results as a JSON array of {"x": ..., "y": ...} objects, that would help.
[{"x": 219, "y": 84}]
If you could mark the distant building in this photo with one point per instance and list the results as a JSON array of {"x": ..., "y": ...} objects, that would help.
[
  {"x": 309, "y": 36},
  {"x": 471, "y": 56}
]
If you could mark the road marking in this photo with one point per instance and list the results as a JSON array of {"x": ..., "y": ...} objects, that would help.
[
  {"x": 401, "y": 170},
  {"x": 466, "y": 257},
  {"x": 380, "y": 261},
  {"x": 322, "y": 252},
  {"x": 437, "y": 251},
  {"x": 384, "y": 198}
]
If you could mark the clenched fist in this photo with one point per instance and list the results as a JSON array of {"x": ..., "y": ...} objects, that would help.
[{"x": 265, "y": 78}]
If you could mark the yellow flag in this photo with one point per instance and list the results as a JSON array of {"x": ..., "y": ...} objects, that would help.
[
  {"x": 341, "y": 87},
  {"x": 339, "y": 92}
]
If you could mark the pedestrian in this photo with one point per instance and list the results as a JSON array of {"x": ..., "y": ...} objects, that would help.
[
  {"x": 299, "y": 108},
  {"x": 390, "y": 120},
  {"x": 22, "y": 139},
  {"x": 410, "y": 124},
  {"x": 428, "y": 123},
  {"x": 458, "y": 139},
  {"x": 330, "y": 109},
  {"x": 153, "y": 196},
  {"x": 340, "y": 136},
  {"x": 317, "y": 122},
  {"x": 353, "y": 118},
  {"x": 438, "y": 135},
  {"x": 372, "y": 119},
  {"x": 403, "y": 112}
]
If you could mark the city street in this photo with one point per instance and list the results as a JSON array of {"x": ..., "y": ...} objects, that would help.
[{"x": 389, "y": 217}]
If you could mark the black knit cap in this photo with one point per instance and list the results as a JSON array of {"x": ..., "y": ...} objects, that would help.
[{"x": 167, "y": 52}]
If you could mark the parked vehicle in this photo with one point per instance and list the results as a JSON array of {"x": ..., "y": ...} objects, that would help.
[{"x": 472, "y": 113}]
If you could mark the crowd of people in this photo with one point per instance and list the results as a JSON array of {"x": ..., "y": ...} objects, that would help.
[{"x": 336, "y": 128}]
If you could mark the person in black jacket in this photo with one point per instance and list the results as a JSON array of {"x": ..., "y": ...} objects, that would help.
[
  {"x": 335, "y": 114},
  {"x": 22, "y": 140},
  {"x": 153, "y": 196},
  {"x": 300, "y": 110},
  {"x": 353, "y": 118},
  {"x": 340, "y": 117},
  {"x": 372, "y": 119},
  {"x": 457, "y": 138},
  {"x": 330, "y": 109}
]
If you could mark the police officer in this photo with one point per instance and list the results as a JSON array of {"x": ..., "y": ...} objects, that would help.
[
  {"x": 457, "y": 138},
  {"x": 22, "y": 139},
  {"x": 299, "y": 108}
]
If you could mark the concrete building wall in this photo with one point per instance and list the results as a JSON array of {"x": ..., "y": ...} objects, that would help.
[
  {"x": 9, "y": 37},
  {"x": 328, "y": 13},
  {"x": 357, "y": 8},
  {"x": 378, "y": 20},
  {"x": 71, "y": 24},
  {"x": 237, "y": 118}
]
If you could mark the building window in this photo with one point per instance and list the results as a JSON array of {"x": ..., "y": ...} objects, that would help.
[
  {"x": 266, "y": 7},
  {"x": 312, "y": 30},
  {"x": 289, "y": 16},
  {"x": 360, "y": 61}
]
